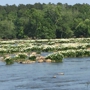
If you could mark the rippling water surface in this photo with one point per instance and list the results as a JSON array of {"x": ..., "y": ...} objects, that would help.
[{"x": 46, "y": 76}]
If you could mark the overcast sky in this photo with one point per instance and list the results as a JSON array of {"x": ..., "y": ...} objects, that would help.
[{"x": 17, "y": 2}]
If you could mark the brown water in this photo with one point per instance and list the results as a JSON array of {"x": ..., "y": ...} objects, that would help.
[{"x": 44, "y": 76}]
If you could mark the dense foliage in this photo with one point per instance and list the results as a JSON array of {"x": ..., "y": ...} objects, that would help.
[{"x": 44, "y": 21}]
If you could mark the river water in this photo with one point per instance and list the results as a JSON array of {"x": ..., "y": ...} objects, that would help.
[{"x": 46, "y": 76}]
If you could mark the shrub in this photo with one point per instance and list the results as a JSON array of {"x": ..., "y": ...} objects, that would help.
[
  {"x": 22, "y": 56},
  {"x": 33, "y": 58},
  {"x": 9, "y": 60},
  {"x": 80, "y": 53},
  {"x": 58, "y": 57},
  {"x": 87, "y": 52},
  {"x": 69, "y": 53}
]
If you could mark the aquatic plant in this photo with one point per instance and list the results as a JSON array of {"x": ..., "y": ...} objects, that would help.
[
  {"x": 33, "y": 58},
  {"x": 22, "y": 56},
  {"x": 76, "y": 53},
  {"x": 68, "y": 53},
  {"x": 9, "y": 60},
  {"x": 57, "y": 57},
  {"x": 73, "y": 47}
]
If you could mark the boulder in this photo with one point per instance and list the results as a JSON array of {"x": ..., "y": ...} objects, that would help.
[
  {"x": 40, "y": 60},
  {"x": 48, "y": 60}
]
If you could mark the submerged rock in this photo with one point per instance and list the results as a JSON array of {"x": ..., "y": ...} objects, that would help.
[
  {"x": 54, "y": 76},
  {"x": 27, "y": 62},
  {"x": 61, "y": 73}
]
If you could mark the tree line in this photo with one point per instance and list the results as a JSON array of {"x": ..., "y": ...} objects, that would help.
[{"x": 44, "y": 21}]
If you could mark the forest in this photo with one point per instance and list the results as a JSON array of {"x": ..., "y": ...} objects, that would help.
[{"x": 44, "y": 21}]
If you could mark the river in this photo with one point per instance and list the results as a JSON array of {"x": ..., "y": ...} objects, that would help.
[{"x": 46, "y": 76}]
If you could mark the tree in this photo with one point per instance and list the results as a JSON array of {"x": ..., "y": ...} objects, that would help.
[
  {"x": 20, "y": 24},
  {"x": 83, "y": 28},
  {"x": 64, "y": 26},
  {"x": 34, "y": 26},
  {"x": 7, "y": 29}
]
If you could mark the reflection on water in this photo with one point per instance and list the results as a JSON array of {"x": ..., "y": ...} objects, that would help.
[{"x": 46, "y": 76}]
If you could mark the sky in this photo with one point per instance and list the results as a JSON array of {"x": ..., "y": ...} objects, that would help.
[{"x": 17, "y": 2}]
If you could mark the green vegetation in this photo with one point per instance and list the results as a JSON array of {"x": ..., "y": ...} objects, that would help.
[
  {"x": 9, "y": 60},
  {"x": 44, "y": 21},
  {"x": 33, "y": 58},
  {"x": 29, "y": 51},
  {"x": 57, "y": 57}
]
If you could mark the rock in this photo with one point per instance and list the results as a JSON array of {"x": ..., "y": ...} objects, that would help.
[
  {"x": 40, "y": 61},
  {"x": 33, "y": 54},
  {"x": 54, "y": 76},
  {"x": 48, "y": 60},
  {"x": 61, "y": 73},
  {"x": 37, "y": 58},
  {"x": 42, "y": 57},
  {"x": 27, "y": 62},
  {"x": 1, "y": 58},
  {"x": 33, "y": 61},
  {"x": 23, "y": 62},
  {"x": 20, "y": 62}
]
